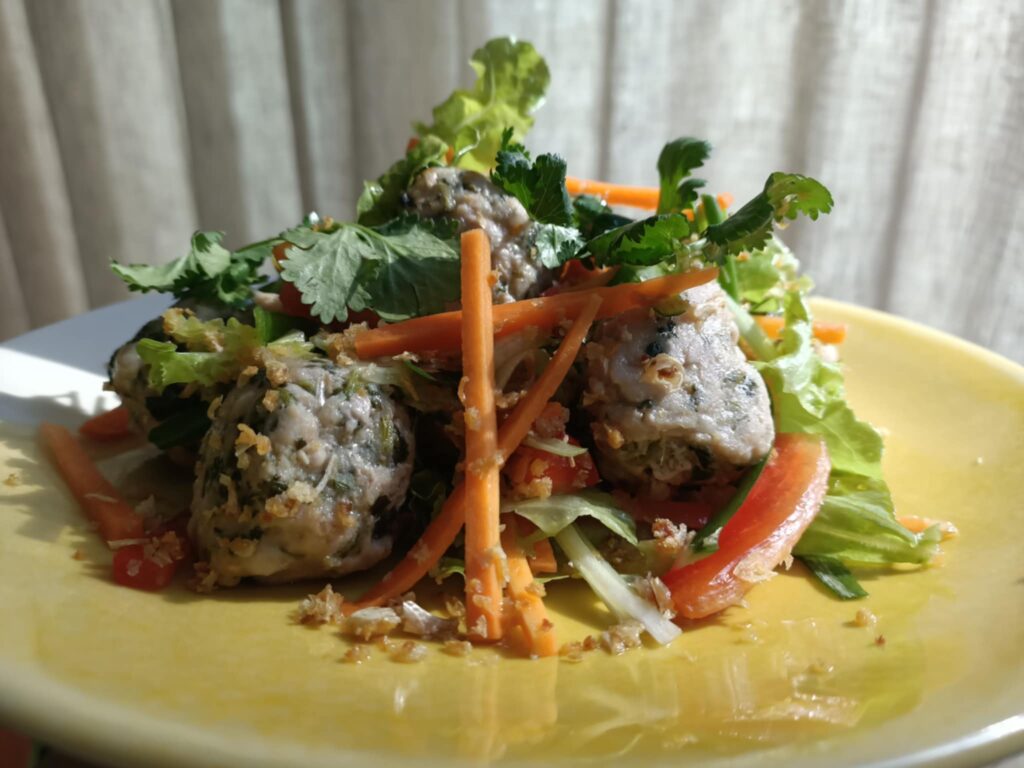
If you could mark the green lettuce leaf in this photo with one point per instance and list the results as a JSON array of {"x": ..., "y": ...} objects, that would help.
[
  {"x": 676, "y": 162},
  {"x": 767, "y": 275},
  {"x": 208, "y": 271},
  {"x": 512, "y": 79},
  {"x": 831, "y": 572},
  {"x": 856, "y": 524},
  {"x": 403, "y": 270},
  {"x": 555, "y": 513},
  {"x": 216, "y": 352}
]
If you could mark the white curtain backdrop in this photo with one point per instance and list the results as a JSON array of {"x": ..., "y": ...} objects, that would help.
[{"x": 127, "y": 124}]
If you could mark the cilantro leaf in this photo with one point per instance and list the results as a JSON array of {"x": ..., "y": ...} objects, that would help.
[
  {"x": 208, "y": 271},
  {"x": 675, "y": 163},
  {"x": 381, "y": 200},
  {"x": 555, "y": 245},
  {"x": 401, "y": 271},
  {"x": 593, "y": 216},
  {"x": 511, "y": 81},
  {"x": 539, "y": 184},
  {"x": 645, "y": 242},
  {"x": 784, "y": 196}
]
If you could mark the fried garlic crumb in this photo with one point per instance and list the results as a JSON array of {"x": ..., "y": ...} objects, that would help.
[
  {"x": 572, "y": 651},
  {"x": 357, "y": 654},
  {"x": 371, "y": 622},
  {"x": 622, "y": 637},
  {"x": 865, "y": 618},
  {"x": 880, "y": 641},
  {"x": 204, "y": 579},
  {"x": 13, "y": 480},
  {"x": 78, "y": 555},
  {"x": 325, "y": 607},
  {"x": 410, "y": 652},
  {"x": 460, "y": 648}
]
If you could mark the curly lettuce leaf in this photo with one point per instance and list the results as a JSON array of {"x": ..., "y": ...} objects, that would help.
[
  {"x": 403, "y": 270},
  {"x": 677, "y": 161},
  {"x": 765, "y": 277},
  {"x": 512, "y": 79},
  {"x": 856, "y": 523},
  {"x": 207, "y": 353},
  {"x": 208, "y": 271}
]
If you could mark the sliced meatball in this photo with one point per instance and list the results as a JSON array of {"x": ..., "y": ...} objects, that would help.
[
  {"x": 303, "y": 478},
  {"x": 673, "y": 399},
  {"x": 473, "y": 201}
]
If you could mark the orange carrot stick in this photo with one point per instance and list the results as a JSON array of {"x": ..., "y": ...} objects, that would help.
[
  {"x": 445, "y": 527},
  {"x": 442, "y": 333},
  {"x": 542, "y": 558},
  {"x": 827, "y": 333},
  {"x": 111, "y": 425},
  {"x": 484, "y": 579},
  {"x": 615, "y": 194},
  {"x": 98, "y": 498},
  {"x": 531, "y": 618}
]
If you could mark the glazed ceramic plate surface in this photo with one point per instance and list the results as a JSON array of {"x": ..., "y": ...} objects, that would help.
[{"x": 180, "y": 679}]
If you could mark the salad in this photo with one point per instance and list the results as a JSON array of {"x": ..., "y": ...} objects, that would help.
[{"x": 495, "y": 376}]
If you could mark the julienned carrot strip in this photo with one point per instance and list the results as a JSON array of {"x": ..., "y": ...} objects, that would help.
[
  {"x": 97, "y": 497},
  {"x": 827, "y": 333},
  {"x": 442, "y": 333},
  {"x": 484, "y": 582},
  {"x": 542, "y": 557},
  {"x": 445, "y": 527},
  {"x": 615, "y": 194},
  {"x": 110, "y": 425},
  {"x": 530, "y": 616}
]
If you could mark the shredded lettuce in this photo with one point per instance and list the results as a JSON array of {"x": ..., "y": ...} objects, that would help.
[
  {"x": 612, "y": 588},
  {"x": 555, "y": 513},
  {"x": 554, "y": 446}
]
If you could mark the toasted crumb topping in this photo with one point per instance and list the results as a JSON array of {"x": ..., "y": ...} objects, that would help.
[
  {"x": 865, "y": 618},
  {"x": 13, "y": 480},
  {"x": 622, "y": 637},
  {"x": 368, "y": 623},
  {"x": 880, "y": 640},
  {"x": 572, "y": 651},
  {"x": 325, "y": 607},
  {"x": 204, "y": 579},
  {"x": 409, "y": 652},
  {"x": 357, "y": 654},
  {"x": 457, "y": 647},
  {"x": 164, "y": 550},
  {"x": 211, "y": 412}
]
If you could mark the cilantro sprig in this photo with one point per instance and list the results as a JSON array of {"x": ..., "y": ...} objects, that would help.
[{"x": 209, "y": 271}]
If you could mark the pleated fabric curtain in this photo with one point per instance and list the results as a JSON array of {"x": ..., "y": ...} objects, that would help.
[{"x": 127, "y": 124}]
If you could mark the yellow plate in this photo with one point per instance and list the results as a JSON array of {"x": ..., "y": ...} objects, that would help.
[{"x": 176, "y": 678}]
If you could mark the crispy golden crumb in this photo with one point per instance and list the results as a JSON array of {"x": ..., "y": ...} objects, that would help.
[
  {"x": 13, "y": 480},
  {"x": 277, "y": 373},
  {"x": 164, "y": 550},
  {"x": 78, "y": 554},
  {"x": 457, "y": 647},
  {"x": 590, "y": 643},
  {"x": 865, "y": 618},
  {"x": 205, "y": 579},
  {"x": 880, "y": 641},
  {"x": 271, "y": 399},
  {"x": 357, "y": 654},
  {"x": 410, "y": 652},
  {"x": 325, "y": 607},
  {"x": 211, "y": 412},
  {"x": 622, "y": 637},
  {"x": 368, "y": 623},
  {"x": 572, "y": 651},
  {"x": 246, "y": 375},
  {"x": 286, "y": 504},
  {"x": 454, "y": 607}
]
